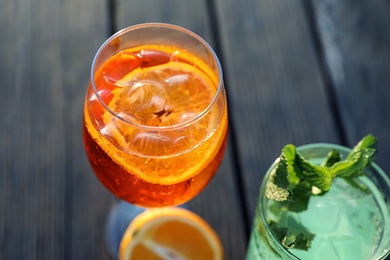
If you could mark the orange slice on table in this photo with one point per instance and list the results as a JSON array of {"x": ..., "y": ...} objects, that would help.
[{"x": 169, "y": 233}]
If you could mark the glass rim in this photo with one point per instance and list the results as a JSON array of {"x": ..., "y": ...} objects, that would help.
[
  {"x": 341, "y": 148},
  {"x": 175, "y": 28}
]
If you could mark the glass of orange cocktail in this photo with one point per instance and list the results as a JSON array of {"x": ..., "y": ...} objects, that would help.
[{"x": 155, "y": 115}]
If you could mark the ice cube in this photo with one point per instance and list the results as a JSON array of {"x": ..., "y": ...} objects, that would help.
[
  {"x": 145, "y": 97},
  {"x": 349, "y": 248},
  {"x": 323, "y": 216}
]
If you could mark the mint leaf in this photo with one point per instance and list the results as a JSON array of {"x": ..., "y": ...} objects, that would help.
[
  {"x": 292, "y": 170},
  {"x": 352, "y": 181},
  {"x": 360, "y": 157},
  {"x": 278, "y": 185},
  {"x": 279, "y": 232},
  {"x": 303, "y": 241},
  {"x": 302, "y": 193},
  {"x": 317, "y": 176},
  {"x": 333, "y": 157},
  {"x": 297, "y": 237},
  {"x": 288, "y": 155},
  {"x": 367, "y": 142}
]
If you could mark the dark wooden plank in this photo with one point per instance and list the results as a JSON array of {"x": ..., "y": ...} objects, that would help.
[
  {"x": 85, "y": 27},
  {"x": 219, "y": 203},
  {"x": 275, "y": 86},
  {"x": 356, "y": 40},
  {"x": 31, "y": 165},
  {"x": 51, "y": 205}
]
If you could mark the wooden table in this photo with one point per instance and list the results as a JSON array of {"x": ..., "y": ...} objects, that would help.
[{"x": 295, "y": 72}]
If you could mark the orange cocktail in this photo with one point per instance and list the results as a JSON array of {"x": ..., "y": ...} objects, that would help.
[{"x": 155, "y": 116}]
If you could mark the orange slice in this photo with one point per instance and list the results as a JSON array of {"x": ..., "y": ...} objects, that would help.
[
  {"x": 167, "y": 234},
  {"x": 162, "y": 96}
]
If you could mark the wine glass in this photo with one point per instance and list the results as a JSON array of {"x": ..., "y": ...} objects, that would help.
[{"x": 155, "y": 115}]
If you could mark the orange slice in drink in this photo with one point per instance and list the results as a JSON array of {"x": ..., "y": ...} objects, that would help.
[
  {"x": 164, "y": 95},
  {"x": 169, "y": 233}
]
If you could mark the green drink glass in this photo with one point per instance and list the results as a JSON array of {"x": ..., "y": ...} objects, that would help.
[{"x": 347, "y": 223}]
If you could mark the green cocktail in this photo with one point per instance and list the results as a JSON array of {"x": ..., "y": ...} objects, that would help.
[{"x": 351, "y": 220}]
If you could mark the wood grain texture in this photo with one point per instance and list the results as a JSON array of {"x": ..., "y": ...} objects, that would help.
[
  {"x": 276, "y": 90},
  {"x": 295, "y": 71},
  {"x": 85, "y": 28},
  {"x": 219, "y": 203},
  {"x": 51, "y": 206},
  {"x": 31, "y": 166},
  {"x": 356, "y": 40}
]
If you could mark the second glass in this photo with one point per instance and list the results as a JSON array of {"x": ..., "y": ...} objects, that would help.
[
  {"x": 346, "y": 223},
  {"x": 155, "y": 115}
]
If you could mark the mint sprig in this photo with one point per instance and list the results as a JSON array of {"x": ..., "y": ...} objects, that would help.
[
  {"x": 298, "y": 239},
  {"x": 360, "y": 157},
  {"x": 294, "y": 180},
  {"x": 292, "y": 169}
]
